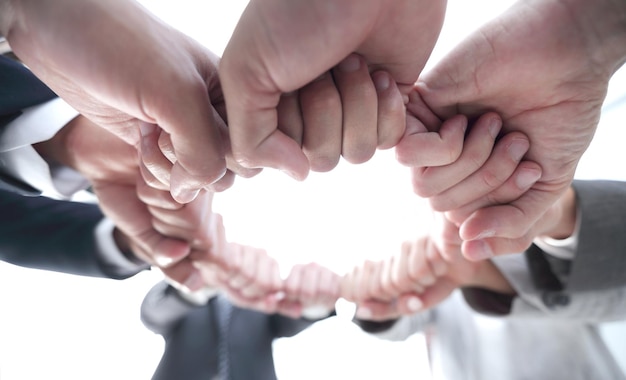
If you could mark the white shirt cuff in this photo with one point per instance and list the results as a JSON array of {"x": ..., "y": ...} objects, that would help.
[
  {"x": 19, "y": 159},
  {"x": 561, "y": 248},
  {"x": 108, "y": 250}
]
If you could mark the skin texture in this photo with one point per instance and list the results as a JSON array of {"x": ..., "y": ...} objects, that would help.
[
  {"x": 282, "y": 46},
  {"x": 544, "y": 67}
]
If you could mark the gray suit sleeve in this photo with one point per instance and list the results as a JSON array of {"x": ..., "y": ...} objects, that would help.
[
  {"x": 600, "y": 261},
  {"x": 162, "y": 308}
]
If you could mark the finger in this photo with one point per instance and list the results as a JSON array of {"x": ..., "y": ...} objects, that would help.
[
  {"x": 261, "y": 281},
  {"x": 525, "y": 176},
  {"x": 430, "y": 181},
  {"x": 166, "y": 147},
  {"x": 374, "y": 285},
  {"x": 193, "y": 126},
  {"x": 309, "y": 292},
  {"x": 290, "y": 120},
  {"x": 155, "y": 197},
  {"x": 233, "y": 167},
  {"x": 185, "y": 274},
  {"x": 359, "y": 101},
  {"x": 388, "y": 287},
  {"x": 498, "y": 168},
  {"x": 510, "y": 221},
  {"x": 425, "y": 145},
  {"x": 329, "y": 288},
  {"x": 293, "y": 283},
  {"x": 155, "y": 167},
  {"x": 322, "y": 114},
  {"x": 399, "y": 275},
  {"x": 432, "y": 296},
  {"x": 377, "y": 311},
  {"x": 391, "y": 111},
  {"x": 418, "y": 269}
]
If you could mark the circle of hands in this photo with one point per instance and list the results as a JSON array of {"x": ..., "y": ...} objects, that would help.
[{"x": 305, "y": 111}]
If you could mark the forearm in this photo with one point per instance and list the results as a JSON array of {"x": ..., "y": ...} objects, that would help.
[
  {"x": 89, "y": 149},
  {"x": 603, "y": 22}
]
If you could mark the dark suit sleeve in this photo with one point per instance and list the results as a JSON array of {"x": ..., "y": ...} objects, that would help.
[
  {"x": 42, "y": 233},
  {"x": 600, "y": 260},
  {"x": 19, "y": 89},
  {"x": 283, "y": 326},
  {"x": 162, "y": 308}
]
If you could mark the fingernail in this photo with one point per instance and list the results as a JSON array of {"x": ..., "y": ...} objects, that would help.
[
  {"x": 363, "y": 313},
  {"x": 494, "y": 126},
  {"x": 146, "y": 128},
  {"x": 527, "y": 178},
  {"x": 518, "y": 148},
  {"x": 482, "y": 252},
  {"x": 485, "y": 234},
  {"x": 184, "y": 195},
  {"x": 381, "y": 82},
  {"x": 350, "y": 64},
  {"x": 414, "y": 304}
]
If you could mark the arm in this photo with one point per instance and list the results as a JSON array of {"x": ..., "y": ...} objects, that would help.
[
  {"x": 55, "y": 235},
  {"x": 599, "y": 261},
  {"x": 282, "y": 46},
  {"x": 163, "y": 307},
  {"x": 112, "y": 82},
  {"x": 562, "y": 54}
]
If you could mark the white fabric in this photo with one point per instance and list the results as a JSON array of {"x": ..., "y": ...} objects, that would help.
[
  {"x": 108, "y": 251},
  {"x": 561, "y": 248},
  {"x": 19, "y": 159}
]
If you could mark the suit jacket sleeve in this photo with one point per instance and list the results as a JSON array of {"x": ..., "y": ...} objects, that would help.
[
  {"x": 600, "y": 260},
  {"x": 19, "y": 89},
  {"x": 42, "y": 233},
  {"x": 162, "y": 308}
]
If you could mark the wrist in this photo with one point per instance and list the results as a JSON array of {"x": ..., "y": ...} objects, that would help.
[
  {"x": 488, "y": 276},
  {"x": 566, "y": 211},
  {"x": 603, "y": 24}
]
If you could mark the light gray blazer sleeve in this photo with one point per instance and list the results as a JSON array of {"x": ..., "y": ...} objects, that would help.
[{"x": 600, "y": 261}]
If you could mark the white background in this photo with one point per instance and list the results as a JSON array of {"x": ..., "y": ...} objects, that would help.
[{"x": 55, "y": 326}]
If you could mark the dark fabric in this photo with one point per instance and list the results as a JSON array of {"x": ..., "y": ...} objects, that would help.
[
  {"x": 488, "y": 302},
  {"x": 19, "y": 89},
  {"x": 600, "y": 261},
  {"x": 192, "y": 336},
  {"x": 42, "y": 233},
  {"x": 373, "y": 327},
  {"x": 541, "y": 271}
]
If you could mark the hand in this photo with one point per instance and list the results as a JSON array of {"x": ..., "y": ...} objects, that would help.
[
  {"x": 344, "y": 112},
  {"x": 282, "y": 46},
  {"x": 544, "y": 67},
  {"x": 252, "y": 279},
  {"x": 110, "y": 165},
  {"x": 134, "y": 75},
  {"x": 309, "y": 288}
]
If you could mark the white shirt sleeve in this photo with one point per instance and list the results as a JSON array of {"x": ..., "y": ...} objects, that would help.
[
  {"x": 561, "y": 248},
  {"x": 19, "y": 159},
  {"x": 109, "y": 252}
]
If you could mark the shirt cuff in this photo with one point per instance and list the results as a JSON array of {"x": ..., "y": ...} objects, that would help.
[
  {"x": 108, "y": 251},
  {"x": 19, "y": 159},
  {"x": 564, "y": 249}
]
